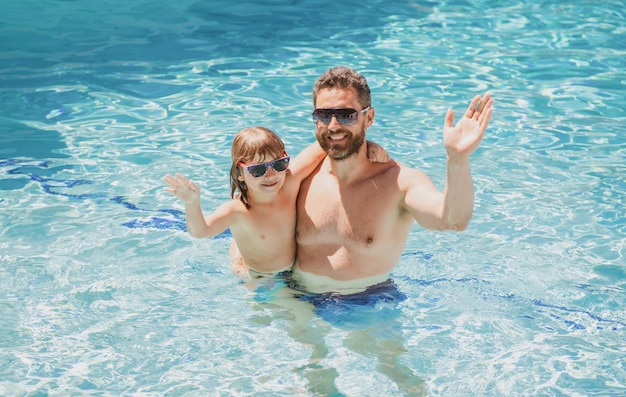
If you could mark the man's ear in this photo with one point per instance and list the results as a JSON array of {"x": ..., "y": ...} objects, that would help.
[{"x": 369, "y": 117}]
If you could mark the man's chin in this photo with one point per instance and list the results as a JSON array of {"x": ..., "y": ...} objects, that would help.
[
  {"x": 341, "y": 152},
  {"x": 340, "y": 155}
]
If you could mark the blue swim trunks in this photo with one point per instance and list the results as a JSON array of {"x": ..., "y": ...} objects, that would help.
[{"x": 377, "y": 303}]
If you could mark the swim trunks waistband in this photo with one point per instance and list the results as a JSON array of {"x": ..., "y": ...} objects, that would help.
[
  {"x": 258, "y": 274},
  {"x": 313, "y": 283}
]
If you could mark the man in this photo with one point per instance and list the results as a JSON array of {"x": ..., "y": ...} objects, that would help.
[{"x": 354, "y": 216}]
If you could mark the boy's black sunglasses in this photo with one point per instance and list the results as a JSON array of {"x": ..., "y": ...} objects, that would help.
[{"x": 258, "y": 170}]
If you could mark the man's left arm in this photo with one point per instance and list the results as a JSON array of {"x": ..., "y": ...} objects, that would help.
[
  {"x": 452, "y": 209},
  {"x": 461, "y": 140}
]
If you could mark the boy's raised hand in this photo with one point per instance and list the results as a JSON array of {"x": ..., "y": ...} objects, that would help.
[{"x": 184, "y": 189}]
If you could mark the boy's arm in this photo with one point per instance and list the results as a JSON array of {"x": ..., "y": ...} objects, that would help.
[
  {"x": 198, "y": 225},
  {"x": 306, "y": 161}
]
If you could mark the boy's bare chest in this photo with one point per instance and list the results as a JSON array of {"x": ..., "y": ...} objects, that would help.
[{"x": 274, "y": 219}]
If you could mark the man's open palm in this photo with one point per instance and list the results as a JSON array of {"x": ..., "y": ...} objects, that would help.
[{"x": 464, "y": 137}]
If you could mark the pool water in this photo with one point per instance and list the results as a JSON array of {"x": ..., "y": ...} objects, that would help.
[{"x": 103, "y": 293}]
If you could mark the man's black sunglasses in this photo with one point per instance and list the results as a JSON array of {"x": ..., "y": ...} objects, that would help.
[{"x": 346, "y": 116}]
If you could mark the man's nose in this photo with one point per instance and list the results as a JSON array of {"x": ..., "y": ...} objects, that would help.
[{"x": 334, "y": 124}]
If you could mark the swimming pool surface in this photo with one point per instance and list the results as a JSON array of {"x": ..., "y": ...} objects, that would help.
[{"x": 103, "y": 293}]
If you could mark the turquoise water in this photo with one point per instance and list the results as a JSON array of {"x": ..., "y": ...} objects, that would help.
[{"x": 103, "y": 293}]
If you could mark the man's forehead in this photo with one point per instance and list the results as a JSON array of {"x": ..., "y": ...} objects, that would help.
[{"x": 337, "y": 97}]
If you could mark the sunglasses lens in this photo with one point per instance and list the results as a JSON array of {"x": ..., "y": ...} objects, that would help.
[
  {"x": 257, "y": 170},
  {"x": 281, "y": 164},
  {"x": 347, "y": 116},
  {"x": 321, "y": 116}
]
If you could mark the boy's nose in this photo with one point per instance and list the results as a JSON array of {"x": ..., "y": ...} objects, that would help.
[{"x": 270, "y": 171}]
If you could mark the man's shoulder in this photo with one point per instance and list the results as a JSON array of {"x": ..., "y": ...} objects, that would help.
[
  {"x": 406, "y": 171},
  {"x": 407, "y": 176},
  {"x": 392, "y": 170}
]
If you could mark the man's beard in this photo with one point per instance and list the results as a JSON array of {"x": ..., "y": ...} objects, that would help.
[{"x": 342, "y": 153}]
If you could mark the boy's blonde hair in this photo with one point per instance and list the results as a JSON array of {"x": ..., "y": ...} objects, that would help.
[{"x": 246, "y": 144}]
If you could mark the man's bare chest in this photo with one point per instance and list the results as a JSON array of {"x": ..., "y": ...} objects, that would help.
[{"x": 358, "y": 215}]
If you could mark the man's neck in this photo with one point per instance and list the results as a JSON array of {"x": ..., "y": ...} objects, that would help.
[{"x": 351, "y": 168}]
